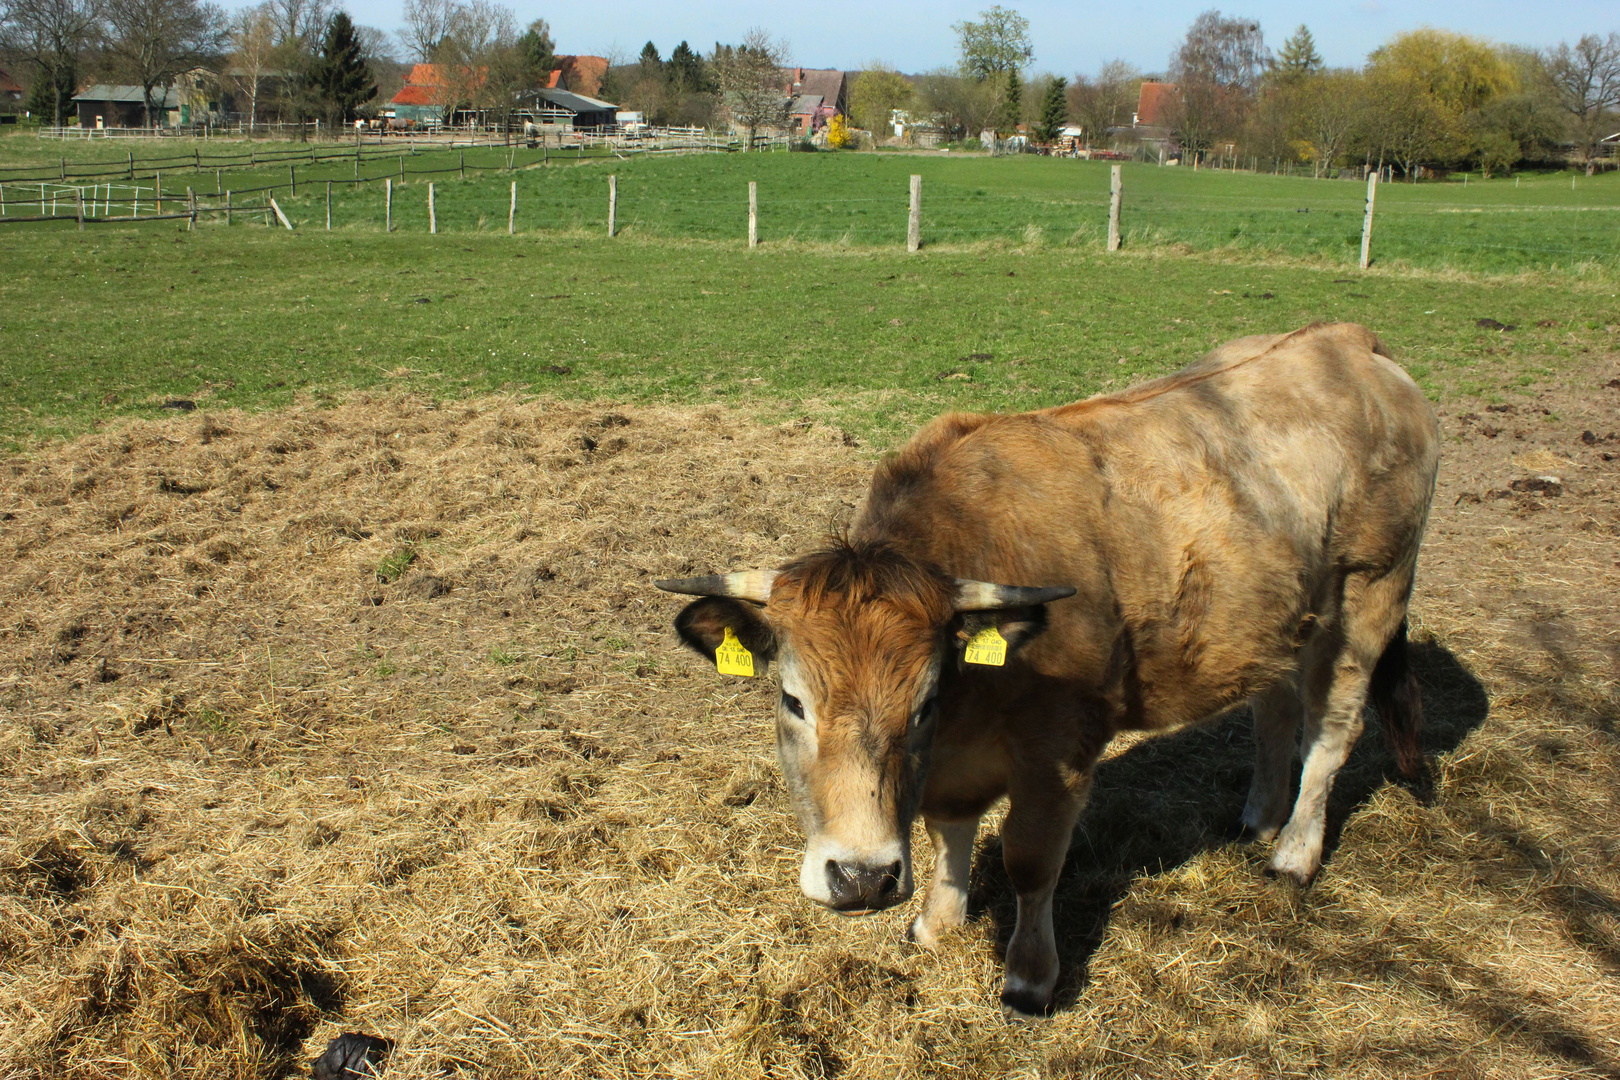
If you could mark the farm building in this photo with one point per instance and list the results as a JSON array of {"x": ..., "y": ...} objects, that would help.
[
  {"x": 420, "y": 100},
  {"x": 108, "y": 106},
  {"x": 11, "y": 94},
  {"x": 569, "y": 110},
  {"x": 829, "y": 84},
  {"x": 1153, "y": 104},
  {"x": 580, "y": 75}
]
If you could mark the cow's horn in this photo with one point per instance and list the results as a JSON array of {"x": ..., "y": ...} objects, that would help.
[
  {"x": 983, "y": 596},
  {"x": 752, "y": 585}
]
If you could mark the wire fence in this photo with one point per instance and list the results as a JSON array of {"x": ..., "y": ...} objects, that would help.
[{"x": 488, "y": 195}]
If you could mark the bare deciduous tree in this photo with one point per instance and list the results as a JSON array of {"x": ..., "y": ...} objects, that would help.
[
  {"x": 253, "y": 41},
  {"x": 152, "y": 41},
  {"x": 51, "y": 36},
  {"x": 427, "y": 23},
  {"x": 1330, "y": 105},
  {"x": 1216, "y": 69},
  {"x": 1106, "y": 101},
  {"x": 1588, "y": 81},
  {"x": 300, "y": 21},
  {"x": 750, "y": 78}
]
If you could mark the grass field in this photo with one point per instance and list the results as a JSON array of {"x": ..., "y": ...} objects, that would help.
[
  {"x": 117, "y": 320},
  {"x": 335, "y": 694},
  {"x": 1541, "y": 221}
]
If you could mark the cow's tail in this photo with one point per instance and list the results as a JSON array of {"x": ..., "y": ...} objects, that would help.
[{"x": 1394, "y": 693}]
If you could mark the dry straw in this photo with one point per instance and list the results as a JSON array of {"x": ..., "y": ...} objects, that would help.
[{"x": 368, "y": 718}]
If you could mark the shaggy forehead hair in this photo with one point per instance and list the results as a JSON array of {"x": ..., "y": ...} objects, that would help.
[
  {"x": 863, "y": 616},
  {"x": 856, "y": 573}
]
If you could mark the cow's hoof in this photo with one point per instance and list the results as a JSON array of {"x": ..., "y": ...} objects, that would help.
[
  {"x": 1301, "y": 878},
  {"x": 1022, "y": 1006}
]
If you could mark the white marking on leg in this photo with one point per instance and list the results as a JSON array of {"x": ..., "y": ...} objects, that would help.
[
  {"x": 1329, "y": 740},
  {"x": 946, "y": 903}
]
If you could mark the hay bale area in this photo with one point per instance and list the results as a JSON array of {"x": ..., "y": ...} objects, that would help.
[{"x": 368, "y": 718}]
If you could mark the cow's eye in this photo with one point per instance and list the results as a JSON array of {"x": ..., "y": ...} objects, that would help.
[
  {"x": 793, "y": 705},
  {"x": 925, "y": 712}
]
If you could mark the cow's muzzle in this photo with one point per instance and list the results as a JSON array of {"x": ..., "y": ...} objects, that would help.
[{"x": 858, "y": 889}]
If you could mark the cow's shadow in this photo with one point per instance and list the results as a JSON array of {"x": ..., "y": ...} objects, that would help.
[{"x": 1168, "y": 799}]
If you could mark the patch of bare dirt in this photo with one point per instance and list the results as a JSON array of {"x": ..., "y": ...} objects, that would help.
[{"x": 368, "y": 718}]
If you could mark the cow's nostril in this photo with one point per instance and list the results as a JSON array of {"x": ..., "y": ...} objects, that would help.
[{"x": 891, "y": 880}]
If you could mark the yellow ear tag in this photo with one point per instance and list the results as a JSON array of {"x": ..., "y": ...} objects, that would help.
[
  {"x": 733, "y": 657},
  {"x": 987, "y": 647}
]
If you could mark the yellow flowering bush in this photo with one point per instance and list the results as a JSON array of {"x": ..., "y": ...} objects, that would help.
[{"x": 838, "y": 134}]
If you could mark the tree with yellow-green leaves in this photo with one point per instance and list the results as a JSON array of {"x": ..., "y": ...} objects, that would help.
[
  {"x": 875, "y": 94},
  {"x": 1426, "y": 90}
]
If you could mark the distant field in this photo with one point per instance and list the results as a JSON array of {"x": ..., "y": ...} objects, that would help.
[
  {"x": 1542, "y": 221},
  {"x": 116, "y": 320}
]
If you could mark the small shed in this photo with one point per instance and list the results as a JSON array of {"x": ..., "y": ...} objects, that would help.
[
  {"x": 571, "y": 110},
  {"x": 107, "y": 106}
]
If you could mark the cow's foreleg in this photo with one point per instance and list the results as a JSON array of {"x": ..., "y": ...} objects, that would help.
[
  {"x": 1035, "y": 840},
  {"x": 945, "y": 905},
  {"x": 1277, "y": 714}
]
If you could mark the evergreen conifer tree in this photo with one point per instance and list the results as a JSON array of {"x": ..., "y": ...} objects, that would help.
[
  {"x": 1298, "y": 56},
  {"x": 1012, "y": 102},
  {"x": 1054, "y": 111},
  {"x": 340, "y": 77}
]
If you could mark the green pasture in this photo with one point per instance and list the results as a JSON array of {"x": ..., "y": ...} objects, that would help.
[
  {"x": 1550, "y": 222},
  {"x": 119, "y": 319}
]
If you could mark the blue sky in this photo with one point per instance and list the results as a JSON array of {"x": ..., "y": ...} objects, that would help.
[{"x": 1069, "y": 36}]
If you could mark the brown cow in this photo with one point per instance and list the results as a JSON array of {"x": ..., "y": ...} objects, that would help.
[{"x": 1243, "y": 531}]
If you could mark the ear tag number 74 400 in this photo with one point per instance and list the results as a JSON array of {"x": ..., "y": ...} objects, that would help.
[
  {"x": 987, "y": 647},
  {"x": 732, "y": 657}
]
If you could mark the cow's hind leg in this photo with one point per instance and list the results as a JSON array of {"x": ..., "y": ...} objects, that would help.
[
  {"x": 1277, "y": 713},
  {"x": 1045, "y": 804},
  {"x": 945, "y": 906},
  {"x": 1336, "y": 672}
]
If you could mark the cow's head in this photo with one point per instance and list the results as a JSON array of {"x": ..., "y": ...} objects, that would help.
[{"x": 861, "y": 633}]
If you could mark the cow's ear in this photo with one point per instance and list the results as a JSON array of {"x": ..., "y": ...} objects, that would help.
[
  {"x": 704, "y": 624},
  {"x": 990, "y": 638}
]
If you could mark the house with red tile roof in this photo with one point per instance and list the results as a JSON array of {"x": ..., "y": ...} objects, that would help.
[
  {"x": 1154, "y": 104},
  {"x": 424, "y": 98}
]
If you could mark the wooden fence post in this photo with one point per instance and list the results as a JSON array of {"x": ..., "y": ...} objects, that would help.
[
  {"x": 157, "y": 189},
  {"x": 292, "y": 181},
  {"x": 753, "y": 214},
  {"x": 227, "y": 207},
  {"x": 388, "y": 205},
  {"x": 3, "y": 202},
  {"x": 132, "y": 164},
  {"x": 191, "y": 209},
  {"x": 1366, "y": 221},
  {"x": 80, "y": 192},
  {"x": 402, "y": 168},
  {"x": 914, "y": 222},
  {"x": 433, "y": 217},
  {"x": 279, "y": 215},
  {"x": 329, "y": 206},
  {"x": 1116, "y": 192},
  {"x": 464, "y": 164},
  {"x": 613, "y": 203},
  {"x": 511, "y": 214}
]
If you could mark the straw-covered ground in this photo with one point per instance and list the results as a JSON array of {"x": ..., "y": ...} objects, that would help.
[{"x": 368, "y": 718}]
